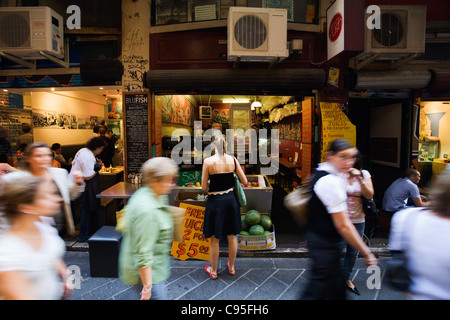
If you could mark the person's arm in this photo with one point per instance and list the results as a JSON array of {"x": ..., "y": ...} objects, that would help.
[
  {"x": 241, "y": 174},
  {"x": 420, "y": 202},
  {"x": 146, "y": 278},
  {"x": 205, "y": 175},
  {"x": 348, "y": 231}
]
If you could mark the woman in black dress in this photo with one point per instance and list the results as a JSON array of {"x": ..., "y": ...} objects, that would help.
[{"x": 222, "y": 213}]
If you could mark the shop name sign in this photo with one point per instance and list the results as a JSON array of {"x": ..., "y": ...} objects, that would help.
[{"x": 345, "y": 26}]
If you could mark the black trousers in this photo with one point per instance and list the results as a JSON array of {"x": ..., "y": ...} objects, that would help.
[{"x": 327, "y": 278}]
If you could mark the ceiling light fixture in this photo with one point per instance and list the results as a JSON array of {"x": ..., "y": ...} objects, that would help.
[{"x": 235, "y": 101}]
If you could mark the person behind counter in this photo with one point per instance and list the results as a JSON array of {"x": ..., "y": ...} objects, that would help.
[
  {"x": 85, "y": 162},
  {"x": 144, "y": 259},
  {"x": 222, "y": 213}
]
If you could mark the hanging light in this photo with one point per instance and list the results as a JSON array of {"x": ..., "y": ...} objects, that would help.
[{"x": 256, "y": 104}]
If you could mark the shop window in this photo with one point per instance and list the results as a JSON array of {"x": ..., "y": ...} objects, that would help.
[{"x": 165, "y": 12}]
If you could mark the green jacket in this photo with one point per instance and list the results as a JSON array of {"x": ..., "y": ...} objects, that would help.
[{"x": 147, "y": 238}]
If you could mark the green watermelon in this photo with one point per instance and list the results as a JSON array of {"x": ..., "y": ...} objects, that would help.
[
  {"x": 256, "y": 230},
  {"x": 252, "y": 217},
  {"x": 245, "y": 225},
  {"x": 244, "y": 232},
  {"x": 266, "y": 232},
  {"x": 265, "y": 222}
]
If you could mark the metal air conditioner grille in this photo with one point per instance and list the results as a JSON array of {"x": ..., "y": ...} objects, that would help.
[
  {"x": 15, "y": 29},
  {"x": 250, "y": 32},
  {"x": 392, "y": 32}
]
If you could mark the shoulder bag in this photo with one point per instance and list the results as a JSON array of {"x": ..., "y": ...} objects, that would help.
[
  {"x": 238, "y": 190},
  {"x": 297, "y": 202},
  {"x": 397, "y": 271}
]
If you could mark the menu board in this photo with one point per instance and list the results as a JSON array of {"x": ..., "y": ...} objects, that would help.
[{"x": 136, "y": 114}]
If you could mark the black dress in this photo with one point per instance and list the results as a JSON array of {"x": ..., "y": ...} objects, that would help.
[{"x": 222, "y": 213}]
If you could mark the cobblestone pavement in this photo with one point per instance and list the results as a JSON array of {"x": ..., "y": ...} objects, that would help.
[{"x": 257, "y": 278}]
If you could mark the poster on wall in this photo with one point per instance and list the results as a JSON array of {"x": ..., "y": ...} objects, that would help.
[{"x": 335, "y": 125}]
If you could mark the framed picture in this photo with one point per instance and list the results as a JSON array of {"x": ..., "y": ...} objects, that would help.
[{"x": 205, "y": 112}]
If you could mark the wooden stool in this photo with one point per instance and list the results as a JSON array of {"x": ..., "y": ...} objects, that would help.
[{"x": 384, "y": 220}]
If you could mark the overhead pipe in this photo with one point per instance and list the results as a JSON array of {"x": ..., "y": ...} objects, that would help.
[
  {"x": 404, "y": 79},
  {"x": 231, "y": 81}
]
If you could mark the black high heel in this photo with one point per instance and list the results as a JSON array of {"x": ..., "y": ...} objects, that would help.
[{"x": 354, "y": 290}]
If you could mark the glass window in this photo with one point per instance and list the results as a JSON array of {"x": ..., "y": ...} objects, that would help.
[{"x": 166, "y": 12}]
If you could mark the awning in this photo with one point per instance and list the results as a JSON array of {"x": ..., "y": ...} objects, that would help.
[{"x": 235, "y": 81}]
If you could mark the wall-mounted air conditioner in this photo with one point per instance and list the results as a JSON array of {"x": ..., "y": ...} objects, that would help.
[
  {"x": 24, "y": 31},
  {"x": 402, "y": 30},
  {"x": 257, "y": 34}
]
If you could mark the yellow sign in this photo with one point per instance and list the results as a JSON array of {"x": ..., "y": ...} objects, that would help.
[
  {"x": 335, "y": 125},
  {"x": 194, "y": 245}
]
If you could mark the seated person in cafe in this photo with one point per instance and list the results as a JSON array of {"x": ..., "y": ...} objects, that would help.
[{"x": 397, "y": 195}]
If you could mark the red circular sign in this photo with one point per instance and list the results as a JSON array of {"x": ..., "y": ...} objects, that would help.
[{"x": 335, "y": 27}]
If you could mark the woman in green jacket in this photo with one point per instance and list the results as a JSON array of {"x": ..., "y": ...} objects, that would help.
[{"x": 148, "y": 234}]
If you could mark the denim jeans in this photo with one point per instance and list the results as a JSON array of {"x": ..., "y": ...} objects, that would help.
[{"x": 351, "y": 253}]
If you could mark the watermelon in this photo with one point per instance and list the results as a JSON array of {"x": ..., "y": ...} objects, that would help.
[
  {"x": 252, "y": 217},
  {"x": 266, "y": 232},
  {"x": 265, "y": 222},
  {"x": 256, "y": 230},
  {"x": 245, "y": 225},
  {"x": 244, "y": 233}
]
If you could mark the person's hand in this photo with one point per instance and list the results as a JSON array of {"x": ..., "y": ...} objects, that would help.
[
  {"x": 370, "y": 260},
  {"x": 146, "y": 293},
  {"x": 78, "y": 177},
  {"x": 354, "y": 172}
]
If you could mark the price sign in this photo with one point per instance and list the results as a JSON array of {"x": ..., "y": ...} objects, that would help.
[{"x": 194, "y": 245}]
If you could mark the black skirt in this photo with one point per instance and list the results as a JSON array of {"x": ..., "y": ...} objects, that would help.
[{"x": 222, "y": 216}]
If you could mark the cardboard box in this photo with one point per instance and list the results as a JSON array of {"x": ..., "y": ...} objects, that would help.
[
  {"x": 189, "y": 197},
  {"x": 263, "y": 242}
]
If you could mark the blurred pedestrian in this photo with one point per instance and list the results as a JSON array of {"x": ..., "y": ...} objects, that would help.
[
  {"x": 401, "y": 190},
  {"x": 358, "y": 183},
  {"x": 424, "y": 235},
  {"x": 222, "y": 213},
  {"x": 87, "y": 165},
  {"x": 147, "y": 238},
  {"x": 31, "y": 252},
  {"x": 329, "y": 224},
  {"x": 37, "y": 159}
]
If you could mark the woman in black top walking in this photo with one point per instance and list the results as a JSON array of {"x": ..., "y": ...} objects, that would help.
[{"x": 222, "y": 213}]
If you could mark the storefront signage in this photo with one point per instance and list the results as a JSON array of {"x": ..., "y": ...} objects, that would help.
[
  {"x": 335, "y": 125},
  {"x": 194, "y": 245},
  {"x": 136, "y": 114},
  {"x": 345, "y": 28}
]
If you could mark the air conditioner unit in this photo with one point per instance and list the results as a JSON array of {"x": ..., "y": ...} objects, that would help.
[
  {"x": 257, "y": 34},
  {"x": 402, "y": 31},
  {"x": 24, "y": 31}
]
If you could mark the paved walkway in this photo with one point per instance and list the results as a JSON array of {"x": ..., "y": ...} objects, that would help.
[{"x": 256, "y": 279}]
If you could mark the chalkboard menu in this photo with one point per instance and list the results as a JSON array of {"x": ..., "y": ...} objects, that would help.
[{"x": 136, "y": 114}]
